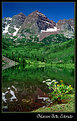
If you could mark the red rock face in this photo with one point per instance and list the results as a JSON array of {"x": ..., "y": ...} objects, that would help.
[
  {"x": 37, "y": 21},
  {"x": 45, "y": 34},
  {"x": 53, "y": 22}
]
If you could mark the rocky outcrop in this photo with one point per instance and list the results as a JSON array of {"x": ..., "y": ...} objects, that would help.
[
  {"x": 18, "y": 20},
  {"x": 45, "y": 34},
  {"x": 8, "y": 63},
  {"x": 53, "y": 22},
  {"x": 64, "y": 25},
  {"x": 12, "y": 25}
]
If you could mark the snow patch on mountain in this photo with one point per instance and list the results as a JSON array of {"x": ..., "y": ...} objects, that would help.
[
  {"x": 6, "y": 29},
  {"x": 50, "y": 30},
  {"x": 17, "y": 29},
  {"x": 8, "y": 18},
  {"x": 46, "y": 22}
]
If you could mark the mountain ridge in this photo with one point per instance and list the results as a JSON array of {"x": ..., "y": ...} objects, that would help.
[{"x": 36, "y": 23}]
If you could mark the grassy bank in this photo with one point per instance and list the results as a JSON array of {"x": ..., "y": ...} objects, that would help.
[{"x": 68, "y": 107}]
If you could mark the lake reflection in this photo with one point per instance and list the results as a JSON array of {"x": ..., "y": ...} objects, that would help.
[{"x": 28, "y": 81}]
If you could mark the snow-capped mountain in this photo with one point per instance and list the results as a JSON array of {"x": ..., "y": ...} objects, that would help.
[
  {"x": 5, "y": 24},
  {"x": 36, "y": 23}
]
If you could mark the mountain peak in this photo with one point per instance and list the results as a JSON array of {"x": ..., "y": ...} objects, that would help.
[
  {"x": 35, "y": 23},
  {"x": 37, "y": 11},
  {"x": 21, "y": 13}
]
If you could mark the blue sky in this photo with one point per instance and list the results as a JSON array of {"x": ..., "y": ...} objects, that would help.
[{"x": 53, "y": 10}]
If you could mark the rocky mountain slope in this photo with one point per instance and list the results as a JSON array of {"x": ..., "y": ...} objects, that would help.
[
  {"x": 36, "y": 23},
  {"x": 65, "y": 25},
  {"x": 12, "y": 25}
]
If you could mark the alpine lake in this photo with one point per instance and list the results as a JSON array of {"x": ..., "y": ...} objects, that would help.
[{"x": 23, "y": 88}]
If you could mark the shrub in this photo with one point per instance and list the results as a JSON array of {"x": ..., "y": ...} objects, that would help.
[{"x": 60, "y": 90}]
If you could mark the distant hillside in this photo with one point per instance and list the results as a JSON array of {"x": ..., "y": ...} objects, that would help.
[
  {"x": 55, "y": 38},
  {"x": 60, "y": 50}
]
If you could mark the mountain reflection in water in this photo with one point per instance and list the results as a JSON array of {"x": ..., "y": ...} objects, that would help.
[
  {"x": 25, "y": 100},
  {"x": 23, "y": 87}
]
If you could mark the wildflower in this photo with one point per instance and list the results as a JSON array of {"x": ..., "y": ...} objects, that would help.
[
  {"x": 71, "y": 88},
  {"x": 69, "y": 85},
  {"x": 48, "y": 83},
  {"x": 62, "y": 84},
  {"x": 58, "y": 85},
  {"x": 48, "y": 80},
  {"x": 44, "y": 81},
  {"x": 55, "y": 82}
]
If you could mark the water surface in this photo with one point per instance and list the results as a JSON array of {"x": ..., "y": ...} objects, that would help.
[{"x": 27, "y": 84}]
